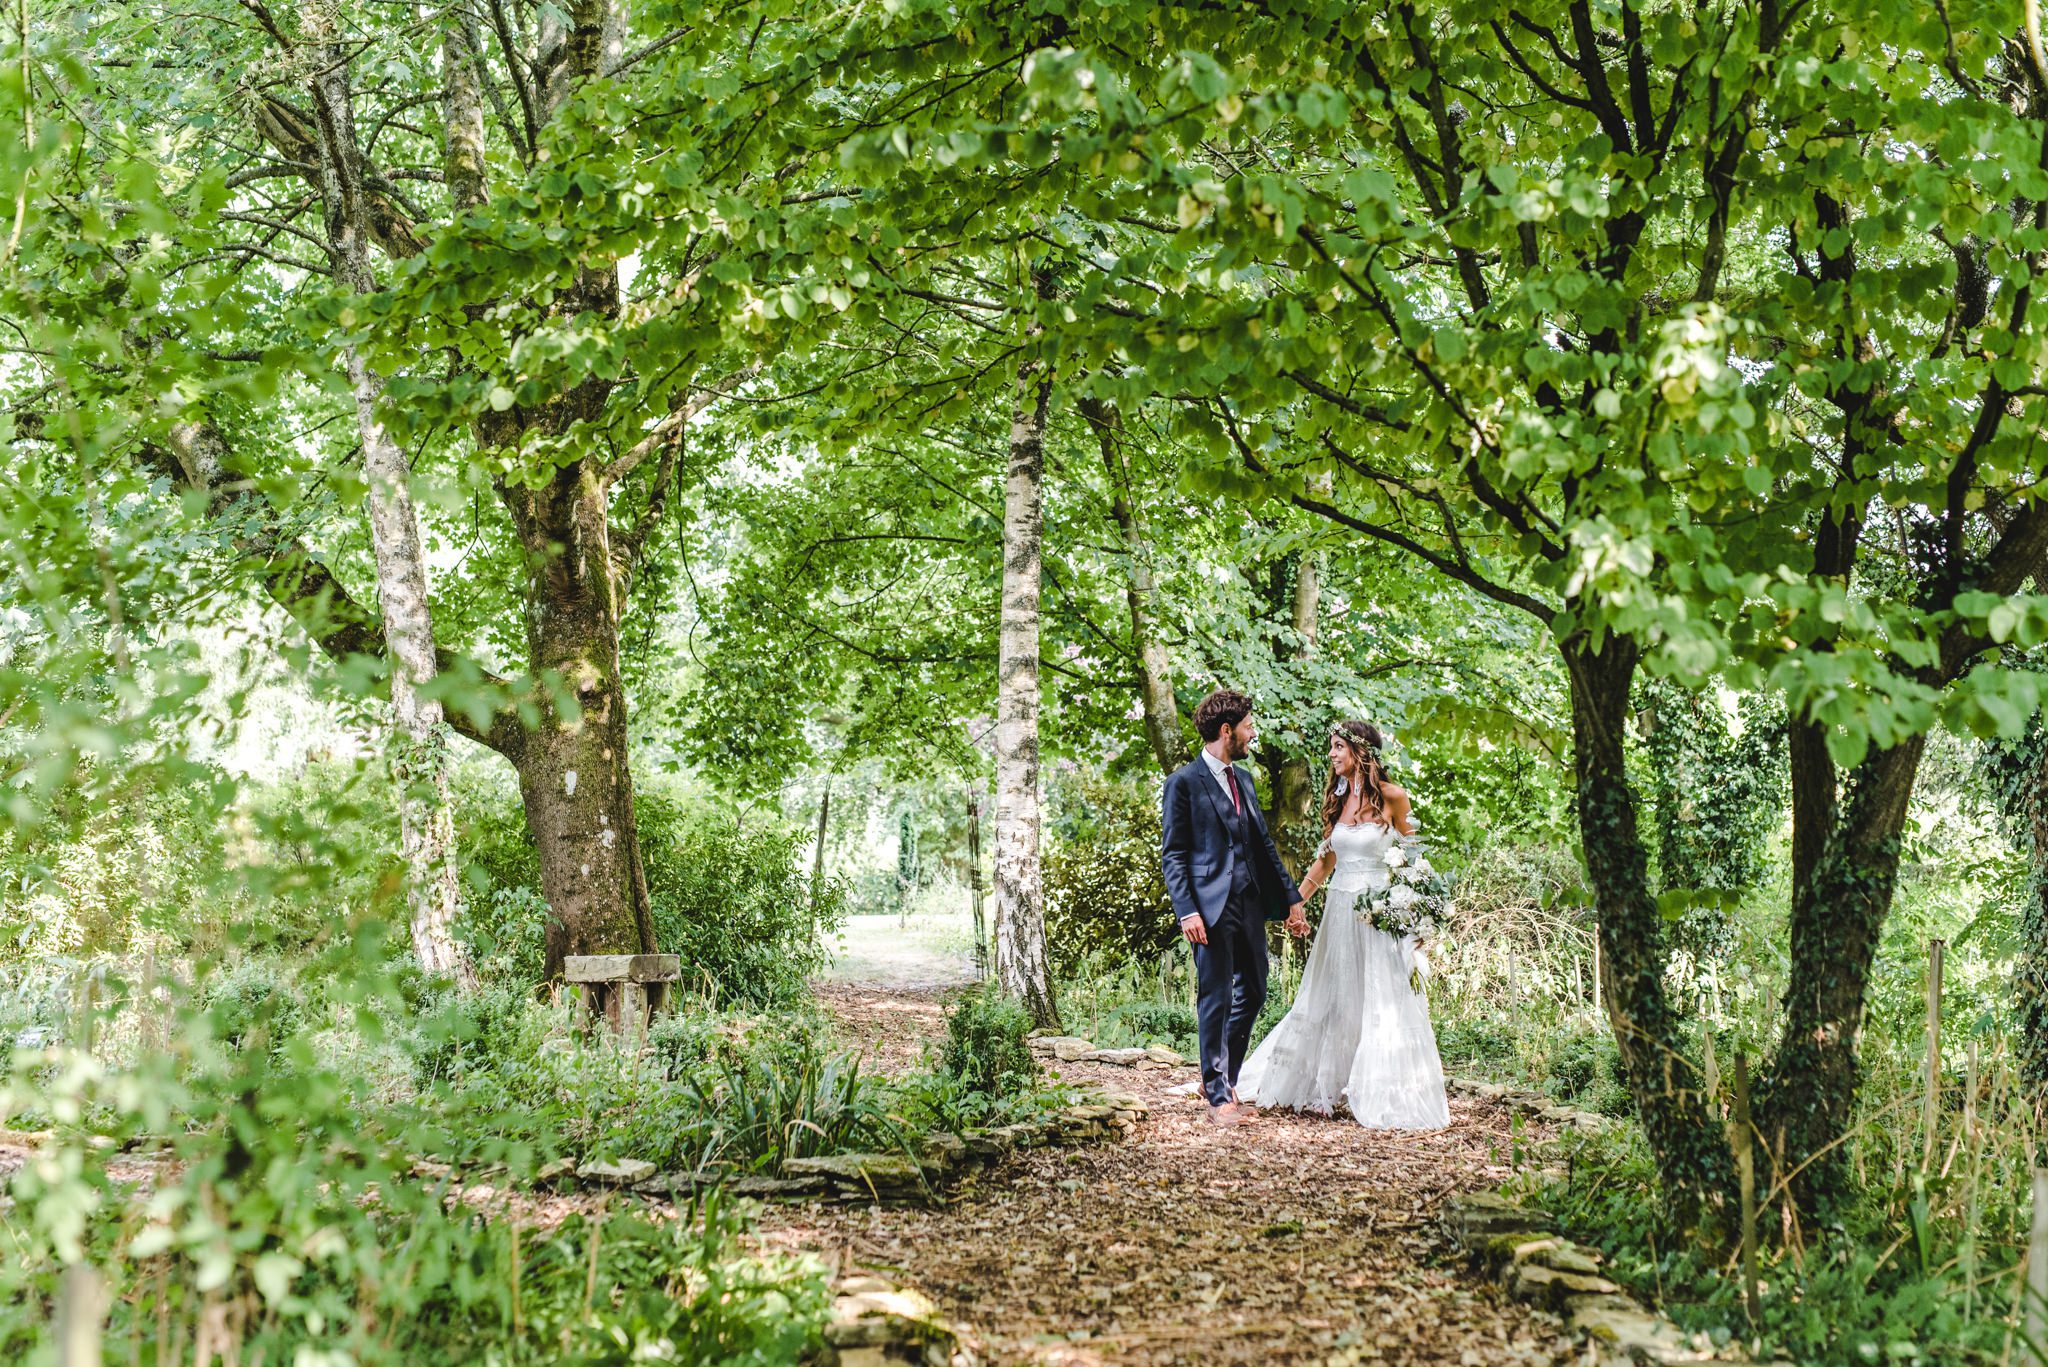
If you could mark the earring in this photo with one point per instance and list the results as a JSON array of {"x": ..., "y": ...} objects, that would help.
[{"x": 1343, "y": 787}]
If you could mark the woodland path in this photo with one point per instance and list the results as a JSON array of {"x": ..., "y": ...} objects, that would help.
[{"x": 1291, "y": 1239}]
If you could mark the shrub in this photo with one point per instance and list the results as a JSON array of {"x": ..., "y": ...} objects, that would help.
[
  {"x": 1141, "y": 1023},
  {"x": 255, "y": 997},
  {"x": 730, "y": 895},
  {"x": 759, "y": 1110},
  {"x": 498, "y": 1026},
  {"x": 36, "y": 997},
  {"x": 1575, "y": 1064},
  {"x": 505, "y": 928},
  {"x": 985, "y": 1044},
  {"x": 118, "y": 866},
  {"x": 732, "y": 898},
  {"x": 1105, "y": 899},
  {"x": 1481, "y": 1043}
]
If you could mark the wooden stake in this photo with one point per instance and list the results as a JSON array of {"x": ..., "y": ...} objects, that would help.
[
  {"x": 818, "y": 855},
  {"x": 1930, "y": 1115},
  {"x": 81, "y": 1309},
  {"x": 1597, "y": 1006},
  {"x": 2036, "y": 1347},
  {"x": 974, "y": 884},
  {"x": 1745, "y": 1172},
  {"x": 518, "y": 1320},
  {"x": 1967, "y": 1254}
]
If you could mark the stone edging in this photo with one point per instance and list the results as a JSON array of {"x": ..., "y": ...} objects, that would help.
[
  {"x": 875, "y": 1322},
  {"x": 889, "y": 1178},
  {"x": 1532, "y": 1103},
  {"x": 1074, "y": 1049},
  {"x": 1522, "y": 1250}
]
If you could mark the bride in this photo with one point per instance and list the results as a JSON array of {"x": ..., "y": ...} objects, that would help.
[{"x": 1358, "y": 1034}]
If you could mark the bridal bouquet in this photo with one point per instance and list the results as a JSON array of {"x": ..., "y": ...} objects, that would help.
[{"x": 1415, "y": 903}]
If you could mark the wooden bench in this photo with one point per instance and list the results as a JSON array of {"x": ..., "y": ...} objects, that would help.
[{"x": 628, "y": 990}]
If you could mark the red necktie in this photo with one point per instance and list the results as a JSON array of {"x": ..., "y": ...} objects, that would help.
[{"x": 1236, "y": 802}]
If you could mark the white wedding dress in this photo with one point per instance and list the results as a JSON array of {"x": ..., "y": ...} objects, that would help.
[{"x": 1358, "y": 1035}]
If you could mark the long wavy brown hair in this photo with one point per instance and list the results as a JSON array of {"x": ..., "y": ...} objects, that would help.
[{"x": 1363, "y": 739}]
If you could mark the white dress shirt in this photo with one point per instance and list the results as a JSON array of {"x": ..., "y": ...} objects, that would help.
[{"x": 1221, "y": 772}]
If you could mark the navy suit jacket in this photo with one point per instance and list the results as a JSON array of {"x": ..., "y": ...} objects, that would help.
[{"x": 1197, "y": 852}]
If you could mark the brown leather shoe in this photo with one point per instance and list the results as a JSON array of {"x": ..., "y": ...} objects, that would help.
[{"x": 1229, "y": 1115}]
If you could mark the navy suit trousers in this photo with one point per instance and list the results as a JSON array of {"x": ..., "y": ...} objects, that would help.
[{"x": 1230, "y": 989}]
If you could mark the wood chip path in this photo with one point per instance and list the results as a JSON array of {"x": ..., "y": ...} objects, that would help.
[{"x": 1290, "y": 1240}]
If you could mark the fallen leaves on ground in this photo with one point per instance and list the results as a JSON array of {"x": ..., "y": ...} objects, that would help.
[{"x": 1290, "y": 1239}]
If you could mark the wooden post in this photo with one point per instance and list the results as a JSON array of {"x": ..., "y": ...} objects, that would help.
[
  {"x": 818, "y": 856},
  {"x": 2035, "y": 1352},
  {"x": 1597, "y": 1004},
  {"x": 1930, "y": 1115},
  {"x": 1966, "y": 1255},
  {"x": 1745, "y": 1174},
  {"x": 81, "y": 1312},
  {"x": 974, "y": 884}
]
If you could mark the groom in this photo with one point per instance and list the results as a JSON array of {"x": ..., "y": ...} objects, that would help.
[{"x": 1226, "y": 881}]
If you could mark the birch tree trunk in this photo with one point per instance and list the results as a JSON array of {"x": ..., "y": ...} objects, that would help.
[
  {"x": 420, "y": 741},
  {"x": 1155, "y": 667},
  {"x": 1021, "y": 969}
]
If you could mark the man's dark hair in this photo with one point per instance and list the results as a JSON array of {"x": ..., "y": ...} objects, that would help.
[{"x": 1224, "y": 707}]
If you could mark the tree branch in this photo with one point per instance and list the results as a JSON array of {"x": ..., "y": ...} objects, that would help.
[{"x": 196, "y": 457}]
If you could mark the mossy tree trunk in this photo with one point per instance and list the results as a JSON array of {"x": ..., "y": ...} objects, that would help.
[
  {"x": 574, "y": 770},
  {"x": 1677, "y": 1119}
]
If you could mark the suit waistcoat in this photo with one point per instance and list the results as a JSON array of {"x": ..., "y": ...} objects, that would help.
[{"x": 1239, "y": 825}]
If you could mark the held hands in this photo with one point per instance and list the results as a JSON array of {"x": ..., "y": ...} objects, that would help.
[{"x": 1198, "y": 933}]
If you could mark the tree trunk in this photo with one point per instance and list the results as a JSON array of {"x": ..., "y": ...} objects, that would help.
[
  {"x": 2030, "y": 976},
  {"x": 1691, "y": 1156},
  {"x": 462, "y": 115},
  {"x": 420, "y": 761},
  {"x": 1293, "y": 789},
  {"x": 573, "y": 769},
  {"x": 1811, "y": 1093},
  {"x": 1020, "y": 959},
  {"x": 420, "y": 766},
  {"x": 1155, "y": 669},
  {"x": 1291, "y": 589}
]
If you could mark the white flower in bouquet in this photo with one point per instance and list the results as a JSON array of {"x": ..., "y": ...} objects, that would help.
[
  {"x": 1422, "y": 970},
  {"x": 1416, "y": 900}
]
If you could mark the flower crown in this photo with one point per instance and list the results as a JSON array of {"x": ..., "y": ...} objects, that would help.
[{"x": 1353, "y": 735}]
